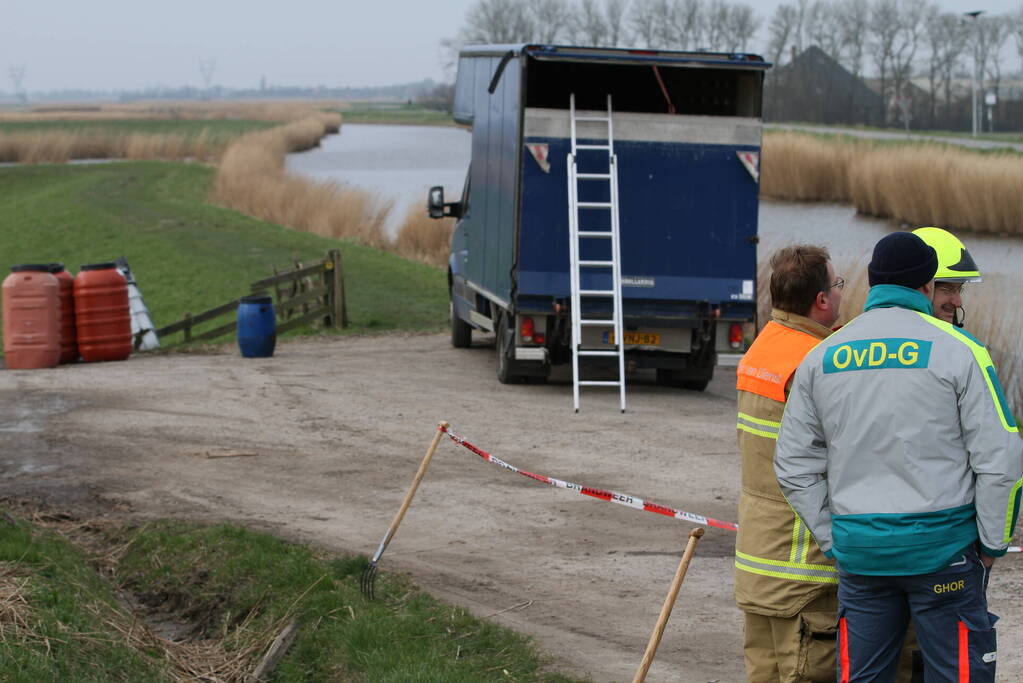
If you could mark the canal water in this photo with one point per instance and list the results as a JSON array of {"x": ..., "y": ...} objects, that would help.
[{"x": 400, "y": 163}]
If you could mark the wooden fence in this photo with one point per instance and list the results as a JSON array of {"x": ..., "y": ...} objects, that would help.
[{"x": 302, "y": 293}]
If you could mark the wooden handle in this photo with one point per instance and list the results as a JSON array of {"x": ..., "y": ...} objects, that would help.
[
  {"x": 669, "y": 602},
  {"x": 415, "y": 485}
]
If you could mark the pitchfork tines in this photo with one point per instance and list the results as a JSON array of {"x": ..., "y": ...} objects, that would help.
[{"x": 368, "y": 580}]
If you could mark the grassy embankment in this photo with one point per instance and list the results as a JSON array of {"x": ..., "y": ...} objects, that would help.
[
  {"x": 403, "y": 114},
  {"x": 232, "y": 591},
  {"x": 187, "y": 253}
]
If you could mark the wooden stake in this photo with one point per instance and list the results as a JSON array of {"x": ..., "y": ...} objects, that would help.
[{"x": 669, "y": 602}]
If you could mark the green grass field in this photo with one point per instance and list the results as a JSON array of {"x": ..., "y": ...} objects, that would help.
[
  {"x": 409, "y": 115},
  {"x": 187, "y": 254},
  {"x": 233, "y": 589}
]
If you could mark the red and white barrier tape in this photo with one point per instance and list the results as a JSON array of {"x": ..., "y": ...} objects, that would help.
[{"x": 610, "y": 496}]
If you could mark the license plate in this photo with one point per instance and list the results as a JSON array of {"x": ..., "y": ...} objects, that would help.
[{"x": 635, "y": 338}]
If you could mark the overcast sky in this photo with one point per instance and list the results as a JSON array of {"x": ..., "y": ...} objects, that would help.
[{"x": 133, "y": 44}]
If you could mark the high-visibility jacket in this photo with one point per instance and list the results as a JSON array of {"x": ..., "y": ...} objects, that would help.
[
  {"x": 779, "y": 568},
  {"x": 898, "y": 448}
]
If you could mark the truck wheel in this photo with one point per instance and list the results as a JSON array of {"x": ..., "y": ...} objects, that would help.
[
  {"x": 505, "y": 373},
  {"x": 461, "y": 331}
]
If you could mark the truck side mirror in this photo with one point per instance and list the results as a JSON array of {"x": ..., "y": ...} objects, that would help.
[{"x": 435, "y": 202}]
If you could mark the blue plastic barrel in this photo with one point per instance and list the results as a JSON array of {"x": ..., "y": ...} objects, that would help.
[{"x": 257, "y": 327}]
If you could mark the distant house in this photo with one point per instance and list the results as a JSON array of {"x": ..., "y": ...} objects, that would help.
[{"x": 815, "y": 88}]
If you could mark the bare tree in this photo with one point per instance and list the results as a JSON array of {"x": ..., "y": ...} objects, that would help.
[
  {"x": 714, "y": 24},
  {"x": 686, "y": 25},
  {"x": 913, "y": 20},
  {"x": 742, "y": 24},
  {"x": 589, "y": 27},
  {"x": 823, "y": 27},
  {"x": 498, "y": 21},
  {"x": 1016, "y": 23},
  {"x": 992, "y": 34},
  {"x": 885, "y": 25},
  {"x": 853, "y": 15},
  {"x": 946, "y": 40},
  {"x": 645, "y": 20},
  {"x": 614, "y": 14},
  {"x": 551, "y": 19},
  {"x": 780, "y": 31}
]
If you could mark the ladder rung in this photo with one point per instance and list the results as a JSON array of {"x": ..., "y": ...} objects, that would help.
[
  {"x": 597, "y": 323},
  {"x": 599, "y": 383},
  {"x": 607, "y": 147},
  {"x": 591, "y": 233},
  {"x": 597, "y": 264},
  {"x": 597, "y": 353},
  {"x": 594, "y": 205},
  {"x": 593, "y": 176},
  {"x": 592, "y": 118},
  {"x": 596, "y": 292}
]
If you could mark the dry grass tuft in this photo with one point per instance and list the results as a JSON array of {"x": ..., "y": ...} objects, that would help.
[
  {"x": 16, "y": 617},
  {"x": 917, "y": 184},
  {"x": 425, "y": 239}
]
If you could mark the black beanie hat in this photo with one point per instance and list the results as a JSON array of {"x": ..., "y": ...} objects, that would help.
[{"x": 902, "y": 258}]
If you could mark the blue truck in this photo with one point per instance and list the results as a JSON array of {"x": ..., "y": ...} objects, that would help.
[{"x": 687, "y": 135}]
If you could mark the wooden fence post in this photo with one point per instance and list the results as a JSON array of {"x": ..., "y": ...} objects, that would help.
[{"x": 337, "y": 299}]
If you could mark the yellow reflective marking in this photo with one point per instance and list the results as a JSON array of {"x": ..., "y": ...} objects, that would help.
[
  {"x": 782, "y": 563},
  {"x": 806, "y": 543},
  {"x": 1009, "y": 516},
  {"x": 983, "y": 359},
  {"x": 758, "y": 432},
  {"x": 790, "y": 577},
  {"x": 796, "y": 533},
  {"x": 757, "y": 420}
]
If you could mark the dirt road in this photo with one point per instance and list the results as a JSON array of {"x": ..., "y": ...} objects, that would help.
[{"x": 339, "y": 426}]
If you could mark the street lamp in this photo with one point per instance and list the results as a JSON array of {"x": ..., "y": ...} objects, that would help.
[{"x": 973, "y": 99}]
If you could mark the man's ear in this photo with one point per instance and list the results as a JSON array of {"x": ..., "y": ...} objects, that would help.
[
  {"x": 821, "y": 301},
  {"x": 927, "y": 290}
]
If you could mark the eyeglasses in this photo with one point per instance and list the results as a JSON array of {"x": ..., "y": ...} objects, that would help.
[
  {"x": 838, "y": 284},
  {"x": 950, "y": 288}
]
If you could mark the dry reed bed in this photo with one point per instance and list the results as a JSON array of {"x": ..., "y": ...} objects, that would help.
[
  {"x": 252, "y": 179},
  {"x": 38, "y": 147},
  {"x": 253, "y": 110},
  {"x": 919, "y": 185}
]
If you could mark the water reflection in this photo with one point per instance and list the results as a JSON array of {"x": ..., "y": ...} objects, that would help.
[{"x": 401, "y": 162}]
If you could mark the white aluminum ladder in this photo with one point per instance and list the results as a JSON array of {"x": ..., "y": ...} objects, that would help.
[{"x": 578, "y": 236}]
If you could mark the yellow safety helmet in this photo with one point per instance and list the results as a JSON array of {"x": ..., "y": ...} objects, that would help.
[{"x": 954, "y": 261}]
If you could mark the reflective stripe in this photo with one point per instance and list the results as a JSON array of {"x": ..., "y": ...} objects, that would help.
[
  {"x": 797, "y": 541},
  {"x": 794, "y": 571},
  {"x": 1012, "y": 511},
  {"x": 759, "y": 421},
  {"x": 758, "y": 432},
  {"x": 964, "y": 653},
  {"x": 983, "y": 359},
  {"x": 755, "y": 425},
  {"x": 843, "y": 650}
]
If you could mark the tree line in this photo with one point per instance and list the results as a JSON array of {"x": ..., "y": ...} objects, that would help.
[{"x": 893, "y": 40}]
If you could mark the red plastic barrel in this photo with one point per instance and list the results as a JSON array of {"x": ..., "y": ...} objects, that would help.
[
  {"x": 102, "y": 317},
  {"x": 31, "y": 318},
  {"x": 68, "y": 338}
]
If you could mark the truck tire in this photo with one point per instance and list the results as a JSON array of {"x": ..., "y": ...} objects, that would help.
[{"x": 461, "y": 331}]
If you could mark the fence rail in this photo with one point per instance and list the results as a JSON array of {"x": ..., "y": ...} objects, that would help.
[{"x": 303, "y": 293}]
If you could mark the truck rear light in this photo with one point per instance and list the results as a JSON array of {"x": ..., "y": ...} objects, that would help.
[
  {"x": 526, "y": 329},
  {"x": 735, "y": 335},
  {"x": 538, "y": 338}
]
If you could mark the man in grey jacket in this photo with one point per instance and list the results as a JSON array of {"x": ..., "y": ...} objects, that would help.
[{"x": 898, "y": 451}]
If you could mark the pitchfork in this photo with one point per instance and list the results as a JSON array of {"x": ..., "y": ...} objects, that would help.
[{"x": 369, "y": 574}]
